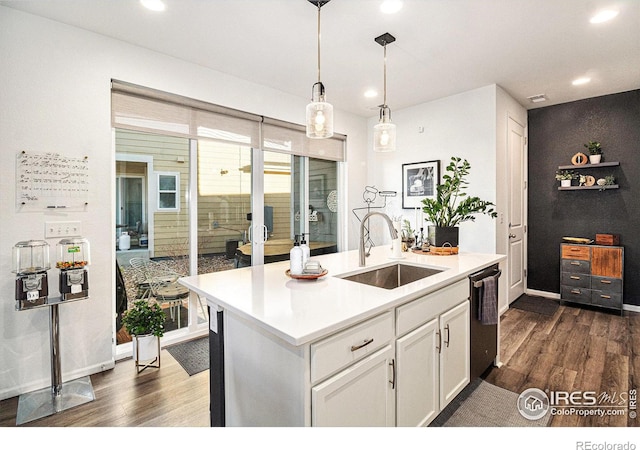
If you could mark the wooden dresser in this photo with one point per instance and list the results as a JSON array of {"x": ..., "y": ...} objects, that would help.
[{"x": 592, "y": 275}]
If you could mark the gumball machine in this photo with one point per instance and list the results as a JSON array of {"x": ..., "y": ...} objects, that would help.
[
  {"x": 73, "y": 257},
  {"x": 30, "y": 264}
]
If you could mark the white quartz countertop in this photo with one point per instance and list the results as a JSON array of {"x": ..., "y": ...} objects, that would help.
[{"x": 301, "y": 311}]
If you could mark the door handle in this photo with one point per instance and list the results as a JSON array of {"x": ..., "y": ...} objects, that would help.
[
  {"x": 439, "y": 346},
  {"x": 393, "y": 373},
  {"x": 511, "y": 236},
  {"x": 447, "y": 339}
]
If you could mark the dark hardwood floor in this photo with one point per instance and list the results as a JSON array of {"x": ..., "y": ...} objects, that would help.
[{"x": 575, "y": 349}]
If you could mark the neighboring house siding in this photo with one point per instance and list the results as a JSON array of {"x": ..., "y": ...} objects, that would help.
[{"x": 171, "y": 229}]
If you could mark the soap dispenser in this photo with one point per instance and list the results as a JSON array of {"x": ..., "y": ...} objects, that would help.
[
  {"x": 306, "y": 251},
  {"x": 295, "y": 258}
]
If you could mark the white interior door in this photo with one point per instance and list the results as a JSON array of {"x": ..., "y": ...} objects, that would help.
[{"x": 516, "y": 276}]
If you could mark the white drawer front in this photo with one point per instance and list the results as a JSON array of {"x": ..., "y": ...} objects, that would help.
[
  {"x": 415, "y": 313},
  {"x": 348, "y": 346}
]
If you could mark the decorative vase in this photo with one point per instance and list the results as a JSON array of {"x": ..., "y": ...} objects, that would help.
[
  {"x": 439, "y": 236},
  {"x": 565, "y": 183},
  {"x": 595, "y": 159}
]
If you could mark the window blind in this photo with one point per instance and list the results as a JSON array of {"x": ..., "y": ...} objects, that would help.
[{"x": 144, "y": 109}]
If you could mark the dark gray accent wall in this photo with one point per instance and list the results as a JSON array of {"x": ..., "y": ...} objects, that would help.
[{"x": 556, "y": 133}]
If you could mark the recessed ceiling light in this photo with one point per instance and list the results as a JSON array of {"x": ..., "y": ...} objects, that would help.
[
  {"x": 604, "y": 15},
  {"x": 391, "y": 6},
  {"x": 580, "y": 81},
  {"x": 154, "y": 5},
  {"x": 371, "y": 93}
]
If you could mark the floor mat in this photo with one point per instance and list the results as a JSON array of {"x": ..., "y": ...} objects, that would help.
[
  {"x": 540, "y": 305},
  {"x": 193, "y": 355},
  {"x": 482, "y": 404}
]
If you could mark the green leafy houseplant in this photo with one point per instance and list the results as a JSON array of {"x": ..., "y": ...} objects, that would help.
[
  {"x": 144, "y": 318},
  {"x": 452, "y": 205},
  {"x": 594, "y": 147},
  {"x": 565, "y": 175}
]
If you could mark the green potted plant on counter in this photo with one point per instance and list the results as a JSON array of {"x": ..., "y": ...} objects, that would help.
[
  {"x": 565, "y": 177},
  {"x": 452, "y": 206},
  {"x": 144, "y": 321},
  {"x": 595, "y": 151}
]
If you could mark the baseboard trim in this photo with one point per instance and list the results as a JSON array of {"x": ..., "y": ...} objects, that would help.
[{"x": 625, "y": 306}]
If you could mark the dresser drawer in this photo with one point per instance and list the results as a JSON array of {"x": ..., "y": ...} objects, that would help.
[
  {"x": 606, "y": 299},
  {"x": 348, "y": 346},
  {"x": 580, "y": 280},
  {"x": 606, "y": 284},
  {"x": 576, "y": 266},
  {"x": 573, "y": 294},
  {"x": 581, "y": 252}
]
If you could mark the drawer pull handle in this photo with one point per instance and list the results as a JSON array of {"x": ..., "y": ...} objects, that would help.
[
  {"x": 575, "y": 291},
  {"x": 574, "y": 249},
  {"x": 439, "y": 346},
  {"x": 575, "y": 263},
  {"x": 364, "y": 344},
  {"x": 605, "y": 281},
  {"x": 573, "y": 277},
  {"x": 606, "y": 296}
]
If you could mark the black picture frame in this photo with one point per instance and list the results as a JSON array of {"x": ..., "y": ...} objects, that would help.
[{"x": 419, "y": 180}]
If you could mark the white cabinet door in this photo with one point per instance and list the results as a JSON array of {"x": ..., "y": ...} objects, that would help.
[
  {"x": 417, "y": 388},
  {"x": 454, "y": 354},
  {"x": 360, "y": 395}
]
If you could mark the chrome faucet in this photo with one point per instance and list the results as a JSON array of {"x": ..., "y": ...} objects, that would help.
[{"x": 392, "y": 231}]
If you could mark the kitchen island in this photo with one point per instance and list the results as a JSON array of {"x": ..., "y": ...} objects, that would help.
[{"x": 287, "y": 352}]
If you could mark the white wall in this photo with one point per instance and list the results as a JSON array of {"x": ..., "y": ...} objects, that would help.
[
  {"x": 55, "y": 97},
  {"x": 461, "y": 125}
]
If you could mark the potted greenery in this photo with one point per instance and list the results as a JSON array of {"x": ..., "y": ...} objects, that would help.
[
  {"x": 407, "y": 234},
  {"x": 595, "y": 151},
  {"x": 144, "y": 321},
  {"x": 565, "y": 177},
  {"x": 452, "y": 206}
]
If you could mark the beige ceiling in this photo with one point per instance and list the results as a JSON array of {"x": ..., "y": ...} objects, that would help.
[{"x": 443, "y": 47}]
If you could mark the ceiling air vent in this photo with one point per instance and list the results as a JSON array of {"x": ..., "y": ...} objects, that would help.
[{"x": 537, "y": 98}]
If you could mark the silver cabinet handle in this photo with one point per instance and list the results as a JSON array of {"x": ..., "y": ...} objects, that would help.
[
  {"x": 575, "y": 291},
  {"x": 364, "y": 344},
  {"x": 605, "y": 296},
  {"x": 393, "y": 373},
  {"x": 439, "y": 346},
  {"x": 447, "y": 340},
  {"x": 511, "y": 236},
  {"x": 574, "y": 277},
  {"x": 575, "y": 263},
  {"x": 605, "y": 281}
]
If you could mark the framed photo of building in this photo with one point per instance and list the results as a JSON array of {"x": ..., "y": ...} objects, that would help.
[{"x": 419, "y": 180}]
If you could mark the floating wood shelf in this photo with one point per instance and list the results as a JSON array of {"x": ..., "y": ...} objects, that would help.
[
  {"x": 590, "y": 166},
  {"x": 578, "y": 188}
]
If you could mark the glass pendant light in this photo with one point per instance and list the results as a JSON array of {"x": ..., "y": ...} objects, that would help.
[
  {"x": 384, "y": 132},
  {"x": 319, "y": 112}
]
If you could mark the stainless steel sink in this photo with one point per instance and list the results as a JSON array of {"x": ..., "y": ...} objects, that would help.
[{"x": 391, "y": 277}]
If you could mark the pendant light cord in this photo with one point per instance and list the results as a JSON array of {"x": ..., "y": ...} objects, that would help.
[
  {"x": 319, "y": 42},
  {"x": 384, "y": 100}
]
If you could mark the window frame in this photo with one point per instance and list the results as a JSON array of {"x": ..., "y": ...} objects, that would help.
[{"x": 176, "y": 192}]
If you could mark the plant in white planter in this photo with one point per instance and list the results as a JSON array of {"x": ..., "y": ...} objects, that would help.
[
  {"x": 144, "y": 321},
  {"x": 452, "y": 206},
  {"x": 565, "y": 177},
  {"x": 595, "y": 151}
]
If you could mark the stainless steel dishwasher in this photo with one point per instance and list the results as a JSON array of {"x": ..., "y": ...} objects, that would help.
[{"x": 483, "y": 338}]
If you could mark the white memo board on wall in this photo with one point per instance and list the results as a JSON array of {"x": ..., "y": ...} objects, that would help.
[{"x": 51, "y": 181}]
